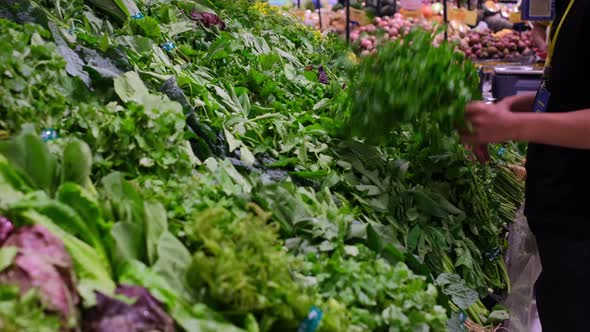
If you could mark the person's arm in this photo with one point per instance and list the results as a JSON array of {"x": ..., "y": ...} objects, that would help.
[
  {"x": 570, "y": 129},
  {"x": 496, "y": 124}
]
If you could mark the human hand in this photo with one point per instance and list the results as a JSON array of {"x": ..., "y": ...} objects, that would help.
[
  {"x": 480, "y": 152},
  {"x": 491, "y": 123}
]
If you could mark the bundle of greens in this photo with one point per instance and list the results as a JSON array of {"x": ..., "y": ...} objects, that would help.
[
  {"x": 34, "y": 79},
  {"x": 411, "y": 81},
  {"x": 240, "y": 268},
  {"x": 24, "y": 312},
  {"x": 380, "y": 296}
]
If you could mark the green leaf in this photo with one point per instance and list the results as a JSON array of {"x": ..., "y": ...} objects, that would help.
[
  {"x": 247, "y": 156},
  {"x": 172, "y": 264},
  {"x": 445, "y": 204},
  {"x": 65, "y": 217},
  {"x": 129, "y": 87},
  {"x": 393, "y": 254},
  {"x": 290, "y": 72},
  {"x": 370, "y": 190},
  {"x": 284, "y": 162},
  {"x": 455, "y": 287},
  {"x": 427, "y": 204},
  {"x": 177, "y": 28},
  {"x": 156, "y": 224},
  {"x": 351, "y": 250},
  {"x": 310, "y": 174},
  {"x": 84, "y": 204},
  {"x": 7, "y": 256},
  {"x": 251, "y": 324},
  {"x": 412, "y": 214},
  {"x": 112, "y": 8},
  {"x": 147, "y": 27},
  {"x": 77, "y": 162},
  {"x": 413, "y": 237},
  {"x": 373, "y": 239},
  {"x": 499, "y": 316},
  {"x": 32, "y": 158},
  {"x": 10, "y": 180},
  {"x": 129, "y": 243}
]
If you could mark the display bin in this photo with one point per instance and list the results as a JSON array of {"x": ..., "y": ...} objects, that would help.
[{"x": 513, "y": 80}]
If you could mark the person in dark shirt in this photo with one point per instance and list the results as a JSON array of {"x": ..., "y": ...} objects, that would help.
[{"x": 556, "y": 123}]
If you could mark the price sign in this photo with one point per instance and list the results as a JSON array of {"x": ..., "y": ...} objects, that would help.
[
  {"x": 468, "y": 17},
  {"x": 358, "y": 15},
  {"x": 298, "y": 12},
  {"x": 410, "y": 13},
  {"x": 515, "y": 17}
]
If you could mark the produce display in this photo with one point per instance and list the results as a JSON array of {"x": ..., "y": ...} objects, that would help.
[
  {"x": 185, "y": 165},
  {"x": 475, "y": 44},
  {"x": 505, "y": 44}
]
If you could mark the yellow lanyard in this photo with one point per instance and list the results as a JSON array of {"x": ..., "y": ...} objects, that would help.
[{"x": 553, "y": 41}]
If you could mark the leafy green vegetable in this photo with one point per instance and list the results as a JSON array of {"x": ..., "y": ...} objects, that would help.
[
  {"x": 242, "y": 269},
  {"x": 7, "y": 255},
  {"x": 24, "y": 312},
  {"x": 410, "y": 81},
  {"x": 77, "y": 162},
  {"x": 379, "y": 295},
  {"x": 453, "y": 286}
]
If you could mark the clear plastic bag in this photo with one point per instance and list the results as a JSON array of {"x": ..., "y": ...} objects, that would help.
[{"x": 524, "y": 267}]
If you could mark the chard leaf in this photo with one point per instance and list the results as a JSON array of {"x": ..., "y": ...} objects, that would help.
[{"x": 129, "y": 87}]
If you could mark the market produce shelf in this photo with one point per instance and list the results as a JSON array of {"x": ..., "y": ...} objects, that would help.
[{"x": 189, "y": 166}]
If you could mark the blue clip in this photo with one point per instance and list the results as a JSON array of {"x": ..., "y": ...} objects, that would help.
[
  {"x": 312, "y": 321},
  {"x": 462, "y": 317},
  {"x": 49, "y": 135},
  {"x": 493, "y": 254},
  {"x": 169, "y": 46},
  {"x": 138, "y": 16},
  {"x": 501, "y": 151}
]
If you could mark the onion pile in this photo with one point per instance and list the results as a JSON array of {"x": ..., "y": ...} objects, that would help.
[
  {"x": 505, "y": 44},
  {"x": 384, "y": 29},
  {"x": 485, "y": 45}
]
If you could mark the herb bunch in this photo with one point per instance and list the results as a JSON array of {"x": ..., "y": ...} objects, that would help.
[{"x": 410, "y": 81}]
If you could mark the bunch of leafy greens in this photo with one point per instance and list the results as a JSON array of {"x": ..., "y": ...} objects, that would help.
[
  {"x": 411, "y": 81},
  {"x": 241, "y": 269},
  {"x": 148, "y": 131},
  {"x": 34, "y": 81},
  {"x": 24, "y": 312},
  {"x": 380, "y": 296}
]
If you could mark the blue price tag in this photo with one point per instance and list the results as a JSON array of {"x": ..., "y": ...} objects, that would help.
[
  {"x": 493, "y": 254},
  {"x": 138, "y": 16},
  {"x": 312, "y": 321},
  {"x": 542, "y": 99},
  {"x": 169, "y": 46},
  {"x": 462, "y": 317},
  {"x": 49, "y": 134}
]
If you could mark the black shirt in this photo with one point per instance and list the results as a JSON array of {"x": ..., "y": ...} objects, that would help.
[{"x": 558, "y": 179}]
